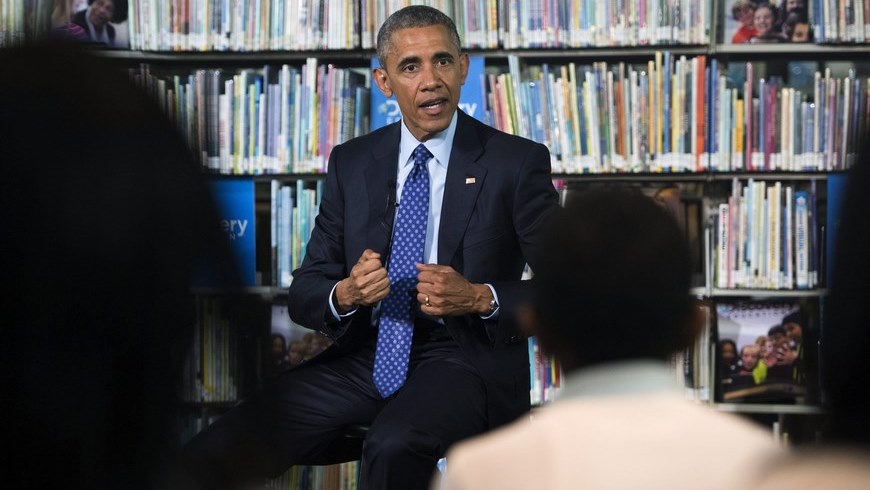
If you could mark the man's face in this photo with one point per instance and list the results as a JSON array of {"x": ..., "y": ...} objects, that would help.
[{"x": 425, "y": 71}]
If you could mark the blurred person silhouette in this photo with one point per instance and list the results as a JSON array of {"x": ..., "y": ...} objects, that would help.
[
  {"x": 622, "y": 262},
  {"x": 108, "y": 220},
  {"x": 743, "y": 11},
  {"x": 767, "y": 29},
  {"x": 280, "y": 354},
  {"x": 842, "y": 459},
  {"x": 750, "y": 372},
  {"x": 62, "y": 26},
  {"x": 296, "y": 353},
  {"x": 728, "y": 362},
  {"x": 97, "y": 20},
  {"x": 796, "y": 26}
]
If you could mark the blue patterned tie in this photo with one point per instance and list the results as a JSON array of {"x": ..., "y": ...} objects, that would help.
[{"x": 409, "y": 237}]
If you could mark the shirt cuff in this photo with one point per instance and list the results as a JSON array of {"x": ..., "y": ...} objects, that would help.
[
  {"x": 494, "y": 314},
  {"x": 335, "y": 315}
]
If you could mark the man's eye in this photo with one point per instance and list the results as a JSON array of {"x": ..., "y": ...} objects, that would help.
[{"x": 410, "y": 68}]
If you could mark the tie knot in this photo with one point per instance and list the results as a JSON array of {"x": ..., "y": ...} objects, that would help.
[{"x": 421, "y": 154}]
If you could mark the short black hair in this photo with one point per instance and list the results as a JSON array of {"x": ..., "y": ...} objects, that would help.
[
  {"x": 276, "y": 335},
  {"x": 120, "y": 10},
  {"x": 413, "y": 16},
  {"x": 613, "y": 280},
  {"x": 776, "y": 329},
  {"x": 793, "y": 317}
]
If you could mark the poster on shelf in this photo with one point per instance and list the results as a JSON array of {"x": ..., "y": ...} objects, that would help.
[
  {"x": 763, "y": 351},
  {"x": 758, "y": 22},
  {"x": 385, "y": 110},
  {"x": 235, "y": 203}
]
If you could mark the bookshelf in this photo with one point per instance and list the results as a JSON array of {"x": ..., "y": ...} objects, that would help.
[{"x": 490, "y": 34}]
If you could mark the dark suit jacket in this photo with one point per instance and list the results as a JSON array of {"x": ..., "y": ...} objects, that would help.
[{"x": 496, "y": 198}]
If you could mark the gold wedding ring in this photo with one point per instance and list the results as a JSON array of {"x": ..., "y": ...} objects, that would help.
[{"x": 427, "y": 300}]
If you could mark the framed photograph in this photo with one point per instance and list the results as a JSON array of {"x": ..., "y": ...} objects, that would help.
[{"x": 762, "y": 355}]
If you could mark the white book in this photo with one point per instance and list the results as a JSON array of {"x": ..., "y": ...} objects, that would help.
[
  {"x": 788, "y": 273},
  {"x": 801, "y": 233},
  {"x": 723, "y": 235}
]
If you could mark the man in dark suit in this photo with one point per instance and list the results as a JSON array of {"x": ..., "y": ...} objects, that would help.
[{"x": 466, "y": 366}]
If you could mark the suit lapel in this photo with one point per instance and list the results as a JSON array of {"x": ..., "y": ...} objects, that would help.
[
  {"x": 464, "y": 180},
  {"x": 380, "y": 182}
]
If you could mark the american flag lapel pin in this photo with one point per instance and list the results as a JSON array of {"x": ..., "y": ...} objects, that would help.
[{"x": 470, "y": 180}]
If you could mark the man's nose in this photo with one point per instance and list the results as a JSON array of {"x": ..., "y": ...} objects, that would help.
[{"x": 431, "y": 78}]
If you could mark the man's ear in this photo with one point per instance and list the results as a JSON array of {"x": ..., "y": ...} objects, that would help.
[
  {"x": 464, "y": 63},
  {"x": 383, "y": 82}
]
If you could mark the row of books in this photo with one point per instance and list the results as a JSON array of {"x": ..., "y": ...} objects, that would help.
[
  {"x": 264, "y": 121},
  {"x": 766, "y": 125},
  {"x": 678, "y": 114},
  {"x": 591, "y": 23},
  {"x": 12, "y": 22},
  {"x": 766, "y": 237},
  {"x": 344, "y": 476},
  {"x": 841, "y": 21},
  {"x": 672, "y": 114},
  {"x": 262, "y": 25},
  {"x": 546, "y": 374},
  {"x": 476, "y": 20},
  {"x": 294, "y": 208},
  {"x": 607, "y": 118},
  {"x": 211, "y": 367}
]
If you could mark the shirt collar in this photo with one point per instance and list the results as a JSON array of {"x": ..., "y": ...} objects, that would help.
[
  {"x": 640, "y": 376},
  {"x": 439, "y": 145}
]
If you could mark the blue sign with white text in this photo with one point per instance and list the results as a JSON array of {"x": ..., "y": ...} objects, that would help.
[
  {"x": 235, "y": 203},
  {"x": 386, "y": 110}
]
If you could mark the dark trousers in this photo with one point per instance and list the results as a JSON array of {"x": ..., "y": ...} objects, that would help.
[{"x": 301, "y": 419}]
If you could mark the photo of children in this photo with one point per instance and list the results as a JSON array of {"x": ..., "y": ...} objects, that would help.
[
  {"x": 759, "y": 22},
  {"x": 292, "y": 344},
  {"x": 768, "y": 365}
]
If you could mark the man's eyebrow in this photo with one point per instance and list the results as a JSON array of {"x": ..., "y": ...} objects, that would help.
[
  {"x": 408, "y": 60},
  {"x": 440, "y": 55},
  {"x": 443, "y": 54}
]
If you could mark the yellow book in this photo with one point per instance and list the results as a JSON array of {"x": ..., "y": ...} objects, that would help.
[
  {"x": 658, "y": 103},
  {"x": 738, "y": 132},
  {"x": 572, "y": 107},
  {"x": 651, "y": 120}
]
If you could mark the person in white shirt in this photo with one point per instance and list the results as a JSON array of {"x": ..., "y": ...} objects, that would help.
[{"x": 612, "y": 304}]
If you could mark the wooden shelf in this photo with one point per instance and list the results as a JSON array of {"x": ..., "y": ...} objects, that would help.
[
  {"x": 267, "y": 292},
  {"x": 768, "y": 293},
  {"x": 769, "y": 409},
  {"x": 358, "y": 57}
]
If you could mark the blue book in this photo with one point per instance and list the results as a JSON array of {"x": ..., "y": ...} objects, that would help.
[{"x": 836, "y": 190}]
